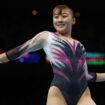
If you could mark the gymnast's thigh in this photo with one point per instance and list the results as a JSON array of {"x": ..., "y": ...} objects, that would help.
[
  {"x": 86, "y": 98},
  {"x": 87, "y": 101},
  {"x": 55, "y": 97},
  {"x": 55, "y": 101}
]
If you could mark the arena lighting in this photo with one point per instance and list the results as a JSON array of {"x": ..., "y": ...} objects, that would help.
[
  {"x": 34, "y": 12},
  {"x": 77, "y": 14},
  {"x": 95, "y": 58},
  {"x": 30, "y": 58}
]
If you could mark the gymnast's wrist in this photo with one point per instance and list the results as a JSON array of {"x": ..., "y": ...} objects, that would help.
[
  {"x": 3, "y": 58},
  {"x": 100, "y": 77}
]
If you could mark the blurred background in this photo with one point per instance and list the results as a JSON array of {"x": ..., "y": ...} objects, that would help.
[{"x": 26, "y": 80}]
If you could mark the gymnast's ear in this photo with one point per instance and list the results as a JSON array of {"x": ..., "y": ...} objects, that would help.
[{"x": 74, "y": 21}]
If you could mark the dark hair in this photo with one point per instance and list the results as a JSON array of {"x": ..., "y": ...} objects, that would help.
[{"x": 59, "y": 9}]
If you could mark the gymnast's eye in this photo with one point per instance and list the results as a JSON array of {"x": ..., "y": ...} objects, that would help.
[
  {"x": 56, "y": 16},
  {"x": 64, "y": 15}
]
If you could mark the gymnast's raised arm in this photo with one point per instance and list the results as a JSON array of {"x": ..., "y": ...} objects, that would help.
[{"x": 34, "y": 44}]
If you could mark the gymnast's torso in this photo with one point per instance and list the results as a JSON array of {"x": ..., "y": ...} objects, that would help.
[{"x": 67, "y": 60}]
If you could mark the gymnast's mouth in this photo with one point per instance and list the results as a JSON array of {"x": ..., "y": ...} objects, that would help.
[{"x": 60, "y": 25}]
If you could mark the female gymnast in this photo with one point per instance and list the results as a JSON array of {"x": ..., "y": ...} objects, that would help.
[{"x": 68, "y": 60}]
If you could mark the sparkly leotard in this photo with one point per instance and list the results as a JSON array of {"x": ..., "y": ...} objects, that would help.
[{"x": 67, "y": 61}]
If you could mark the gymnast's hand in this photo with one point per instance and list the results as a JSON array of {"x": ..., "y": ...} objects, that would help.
[
  {"x": 100, "y": 77},
  {"x": 3, "y": 58}
]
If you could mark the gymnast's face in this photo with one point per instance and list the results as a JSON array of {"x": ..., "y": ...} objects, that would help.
[{"x": 63, "y": 20}]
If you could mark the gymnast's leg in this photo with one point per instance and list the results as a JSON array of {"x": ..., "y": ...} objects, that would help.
[
  {"x": 86, "y": 99},
  {"x": 55, "y": 97}
]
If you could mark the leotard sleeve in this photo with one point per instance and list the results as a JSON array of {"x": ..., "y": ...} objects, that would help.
[{"x": 34, "y": 44}]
